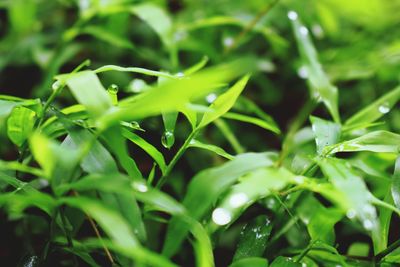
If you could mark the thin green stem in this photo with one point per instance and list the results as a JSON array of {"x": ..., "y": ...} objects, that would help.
[
  {"x": 176, "y": 158},
  {"x": 250, "y": 26},
  {"x": 378, "y": 257},
  {"x": 229, "y": 135},
  {"x": 298, "y": 121}
]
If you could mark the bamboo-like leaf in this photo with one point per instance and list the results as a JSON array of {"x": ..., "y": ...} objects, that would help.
[
  {"x": 217, "y": 150},
  {"x": 357, "y": 197},
  {"x": 256, "y": 185},
  {"x": 377, "y": 141},
  {"x": 147, "y": 147},
  {"x": 157, "y": 19},
  {"x": 326, "y": 133},
  {"x": 205, "y": 188},
  {"x": 111, "y": 222},
  {"x": 252, "y": 120},
  {"x": 373, "y": 111},
  {"x": 251, "y": 261},
  {"x": 320, "y": 86},
  {"x": 20, "y": 124},
  {"x": 88, "y": 90},
  {"x": 253, "y": 238},
  {"x": 174, "y": 93},
  {"x": 224, "y": 102}
]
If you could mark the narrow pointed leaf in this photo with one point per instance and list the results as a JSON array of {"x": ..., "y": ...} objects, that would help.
[
  {"x": 326, "y": 133},
  {"x": 377, "y": 141},
  {"x": 224, "y": 102},
  {"x": 373, "y": 111},
  {"x": 320, "y": 86}
]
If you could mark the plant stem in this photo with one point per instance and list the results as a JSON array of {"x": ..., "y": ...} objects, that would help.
[
  {"x": 299, "y": 120},
  {"x": 175, "y": 159},
  {"x": 378, "y": 257},
  {"x": 229, "y": 135},
  {"x": 97, "y": 232},
  {"x": 250, "y": 26}
]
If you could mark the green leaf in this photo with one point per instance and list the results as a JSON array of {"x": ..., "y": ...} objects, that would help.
[
  {"x": 395, "y": 188},
  {"x": 320, "y": 221},
  {"x": 252, "y": 261},
  {"x": 224, "y": 102},
  {"x": 88, "y": 90},
  {"x": 157, "y": 200},
  {"x": 157, "y": 19},
  {"x": 217, "y": 150},
  {"x": 111, "y": 222},
  {"x": 256, "y": 185},
  {"x": 205, "y": 188},
  {"x": 373, "y": 111},
  {"x": 174, "y": 93},
  {"x": 326, "y": 133},
  {"x": 136, "y": 70},
  {"x": 253, "y": 238},
  {"x": 261, "y": 123},
  {"x": 147, "y": 147},
  {"x": 196, "y": 67},
  {"x": 321, "y": 88},
  {"x": 284, "y": 262},
  {"x": 107, "y": 36},
  {"x": 377, "y": 141},
  {"x": 356, "y": 195},
  {"x": 56, "y": 160},
  {"x": 117, "y": 145},
  {"x": 169, "y": 120},
  {"x": 20, "y": 124}
]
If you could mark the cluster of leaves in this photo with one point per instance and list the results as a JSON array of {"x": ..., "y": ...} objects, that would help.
[{"x": 92, "y": 182}]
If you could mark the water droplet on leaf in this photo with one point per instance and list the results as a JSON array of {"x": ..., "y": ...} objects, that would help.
[
  {"x": 302, "y": 72},
  {"x": 384, "y": 108},
  {"x": 351, "y": 214},
  {"x": 221, "y": 216},
  {"x": 368, "y": 224},
  {"x": 168, "y": 139},
  {"x": 141, "y": 187},
  {"x": 292, "y": 15},
  {"x": 228, "y": 41},
  {"x": 211, "y": 98},
  {"x": 303, "y": 30}
]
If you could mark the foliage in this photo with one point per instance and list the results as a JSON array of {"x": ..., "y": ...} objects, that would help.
[{"x": 123, "y": 140}]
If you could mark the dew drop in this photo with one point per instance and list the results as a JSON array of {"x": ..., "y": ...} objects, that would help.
[
  {"x": 368, "y": 224},
  {"x": 351, "y": 214},
  {"x": 180, "y": 74},
  {"x": 138, "y": 86},
  {"x": 228, "y": 41},
  {"x": 211, "y": 98},
  {"x": 302, "y": 72},
  {"x": 271, "y": 203},
  {"x": 384, "y": 108},
  {"x": 56, "y": 85},
  {"x": 221, "y": 216},
  {"x": 317, "y": 31},
  {"x": 292, "y": 15},
  {"x": 141, "y": 187},
  {"x": 113, "y": 89},
  {"x": 303, "y": 30},
  {"x": 168, "y": 139},
  {"x": 238, "y": 199}
]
